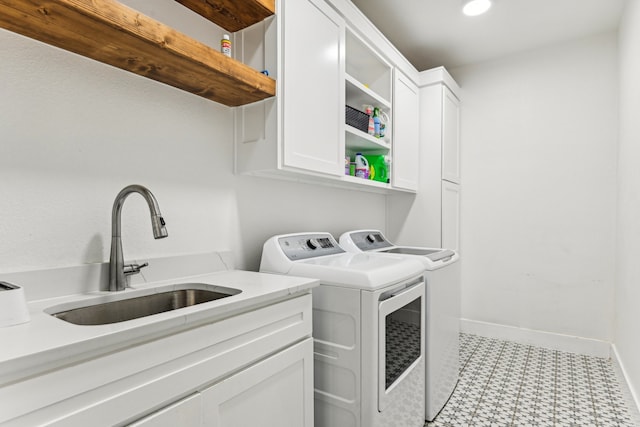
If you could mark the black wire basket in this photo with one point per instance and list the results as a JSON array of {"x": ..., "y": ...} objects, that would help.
[{"x": 357, "y": 119}]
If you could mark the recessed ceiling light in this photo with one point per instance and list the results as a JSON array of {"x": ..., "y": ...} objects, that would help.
[{"x": 475, "y": 7}]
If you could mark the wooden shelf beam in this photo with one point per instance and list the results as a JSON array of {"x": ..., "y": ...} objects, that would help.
[
  {"x": 232, "y": 15},
  {"x": 112, "y": 33}
]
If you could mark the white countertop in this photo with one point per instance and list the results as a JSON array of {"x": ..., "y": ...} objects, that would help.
[{"x": 46, "y": 342}]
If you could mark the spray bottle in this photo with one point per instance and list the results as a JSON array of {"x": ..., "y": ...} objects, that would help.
[
  {"x": 376, "y": 122},
  {"x": 225, "y": 45}
]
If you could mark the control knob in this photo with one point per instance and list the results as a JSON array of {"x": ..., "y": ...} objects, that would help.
[{"x": 312, "y": 244}]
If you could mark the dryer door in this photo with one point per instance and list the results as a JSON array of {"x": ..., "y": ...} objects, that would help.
[{"x": 400, "y": 337}]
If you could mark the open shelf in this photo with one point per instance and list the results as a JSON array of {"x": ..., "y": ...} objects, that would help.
[
  {"x": 365, "y": 182},
  {"x": 367, "y": 84},
  {"x": 112, "y": 33},
  {"x": 366, "y": 66},
  {"x": 356, "y": 140},
  {"x": 358, "y": 93}
]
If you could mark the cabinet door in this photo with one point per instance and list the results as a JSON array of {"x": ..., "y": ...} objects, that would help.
[
  {"x": 406, "y": 121},
  {"x": 450, "y": 137},
  {"x": 277, "y": 392},
  {"x": 186, "y": 412},
  {"x": 313, "y": 82},
  {"x": 450, "y": 216}
]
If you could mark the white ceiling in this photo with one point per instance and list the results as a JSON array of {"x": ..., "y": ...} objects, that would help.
[{"x": 431, "y": 33}]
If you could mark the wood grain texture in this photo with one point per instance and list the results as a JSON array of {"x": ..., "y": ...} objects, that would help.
[
  {"x": 232, "y": 15},
  {"x": 109, "y": 32}
]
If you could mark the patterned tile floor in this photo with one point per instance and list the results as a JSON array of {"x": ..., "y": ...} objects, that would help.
[{"x": 508, "y": 384}]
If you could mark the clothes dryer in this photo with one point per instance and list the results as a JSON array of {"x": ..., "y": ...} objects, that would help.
[
  {"x": 368, "y": 330},
  {"x": 442, "y": 314}
]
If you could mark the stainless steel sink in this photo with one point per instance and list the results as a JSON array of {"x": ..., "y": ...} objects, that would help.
[{"x": 141, "y": 306}]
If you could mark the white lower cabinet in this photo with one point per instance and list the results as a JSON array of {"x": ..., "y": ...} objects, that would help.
[
  {"x": 252, "y": 368},
  {"x": 277, "y": 391},
  {"x": 186, "y": 412}
]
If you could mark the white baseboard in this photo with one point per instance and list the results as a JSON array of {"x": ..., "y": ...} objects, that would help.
[
  {"x": 569, "y": 343},
  {"x": 630, "y": 395}
]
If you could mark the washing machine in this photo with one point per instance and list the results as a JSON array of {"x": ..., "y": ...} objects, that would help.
[
  {"x": 368, "y": 330},
  {"x": 442, "y": 321}
]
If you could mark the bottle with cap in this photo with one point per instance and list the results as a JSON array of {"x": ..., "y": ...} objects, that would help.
[
  {"x": 369, "y": 110},
  {"x": 225, "y": 45},
  {"x": 362, "y": 166},
  {"x": 376, "y": 122}
]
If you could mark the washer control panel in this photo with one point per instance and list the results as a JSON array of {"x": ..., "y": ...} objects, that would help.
[
  {"x": 369, "y": 240},
  {"x": 303, "y": 246}
]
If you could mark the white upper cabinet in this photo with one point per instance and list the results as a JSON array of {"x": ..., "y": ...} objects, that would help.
[
  {"x": 406, "y": 135},
  {"x": 432, "y": 216},
  {"x": 313, "y": 86},
  {"x": 327, "y": 73},
  {"x": 450, "y": 136},
  {"x": 299, "y": 131}
]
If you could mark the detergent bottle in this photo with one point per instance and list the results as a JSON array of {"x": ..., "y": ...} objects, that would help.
[
  {"x": 362, "y": 166},
  {"x": 379, "y": 165}
]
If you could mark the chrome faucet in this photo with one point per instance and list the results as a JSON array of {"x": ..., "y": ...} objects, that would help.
[{"x": 117, "y": 270}]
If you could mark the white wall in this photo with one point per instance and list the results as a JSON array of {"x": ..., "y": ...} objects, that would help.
[
  {"x": 627, "y": 315},
  {"x": 539, "y": 133},
  {"x": 73, "y": 132}
]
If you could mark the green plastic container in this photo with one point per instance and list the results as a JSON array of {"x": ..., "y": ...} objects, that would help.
[{"x": 379, "y": 166}]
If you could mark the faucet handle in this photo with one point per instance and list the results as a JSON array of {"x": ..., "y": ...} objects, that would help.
[{"x": 130, "y": 269}]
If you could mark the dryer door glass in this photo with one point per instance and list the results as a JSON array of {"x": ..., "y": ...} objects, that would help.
[
  {"x": 402, "y": 341},
  {"x": 400, "y": 337}
]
